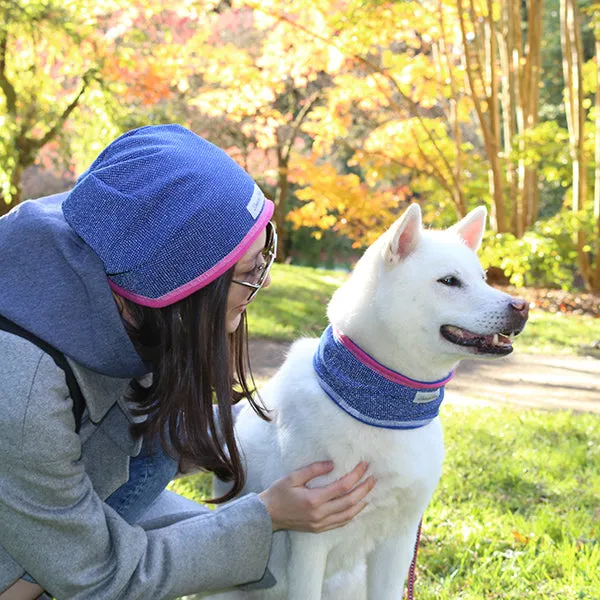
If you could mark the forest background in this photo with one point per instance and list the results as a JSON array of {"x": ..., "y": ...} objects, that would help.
[{"x": 344, "y": 111}]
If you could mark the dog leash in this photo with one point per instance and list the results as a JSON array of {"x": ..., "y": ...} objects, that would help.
[{"x": 410, "y": 584}]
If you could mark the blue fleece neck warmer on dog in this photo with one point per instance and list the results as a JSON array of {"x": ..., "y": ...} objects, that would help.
[{"x": 370, "y": 392}]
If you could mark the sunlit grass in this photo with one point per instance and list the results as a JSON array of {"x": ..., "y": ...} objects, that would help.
[
  {"x": 517, "y": 512},
  {"x": 558, "y": 333},
  {"x": 295, "y": 304}
]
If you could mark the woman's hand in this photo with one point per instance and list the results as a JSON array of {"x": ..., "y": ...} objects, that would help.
[{"x": 292, "y": 505}]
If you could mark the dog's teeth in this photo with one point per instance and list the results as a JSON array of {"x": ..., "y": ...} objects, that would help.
[{"x": 495, "y": 339}]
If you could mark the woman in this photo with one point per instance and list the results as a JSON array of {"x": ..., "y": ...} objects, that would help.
[{"x": 140, "y": 275}]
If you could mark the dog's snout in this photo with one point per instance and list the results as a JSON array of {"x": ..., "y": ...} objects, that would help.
[{"x": 520, "y": 309}]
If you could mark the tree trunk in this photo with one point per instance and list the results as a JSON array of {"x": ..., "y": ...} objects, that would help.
[
  {"x": 521, "y": 66},
  {"x": 445, "y": 63},
  {"x": 572, "y": 69},
  {"x": 531, "y": 72},
  {"x": 507, "y": 46},
  {"x": 595, "y": 283},
  {"x": 597, "y": 153},
  {"x": 495, "y": 145},
  {"x": 488, "y": 120},
  {"x": 281, "y": 200}
]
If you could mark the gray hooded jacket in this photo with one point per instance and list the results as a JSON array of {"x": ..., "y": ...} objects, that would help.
[{"x": 54, "y": 524}]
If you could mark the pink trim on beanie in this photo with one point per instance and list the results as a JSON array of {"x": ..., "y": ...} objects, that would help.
[
  {"x": 370, "y": 362},
  {"x": 207, "y": 277}
]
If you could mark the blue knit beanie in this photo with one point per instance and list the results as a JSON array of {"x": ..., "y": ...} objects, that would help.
[{"x": 167, "y": 213}]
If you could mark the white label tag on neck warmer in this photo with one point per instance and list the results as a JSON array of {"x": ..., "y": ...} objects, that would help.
[
  {"x": 424, "y": 397},
  {"x": 256, "y": 202}
]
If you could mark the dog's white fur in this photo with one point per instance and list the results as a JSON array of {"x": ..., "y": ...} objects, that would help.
[{"x": 392, "y": 306}]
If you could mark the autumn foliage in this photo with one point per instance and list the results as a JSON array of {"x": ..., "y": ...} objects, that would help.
[{"x": 344, "y": 111}]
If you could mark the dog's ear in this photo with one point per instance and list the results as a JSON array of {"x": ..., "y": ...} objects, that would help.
[
  {"x": 405, "y": 234},
  {"x": 472, "y": 227}
]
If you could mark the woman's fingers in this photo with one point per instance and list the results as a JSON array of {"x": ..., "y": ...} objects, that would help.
[
  {"x": 340, "y": 501},
  {"x": 342, "y": 485},
  {"x": 341, "y": 519},
  {"x": 340, "y": 510},
  {"x": 303, "y": 476},
  {"x": 343, "y": 503},
  {"x": 293, "y": 505}
]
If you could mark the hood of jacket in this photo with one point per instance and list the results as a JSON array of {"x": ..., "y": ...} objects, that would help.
[{"x": 54, "y": 285}]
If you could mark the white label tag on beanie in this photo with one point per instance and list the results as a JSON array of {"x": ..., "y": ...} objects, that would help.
[{"x": 256, "y": 202}]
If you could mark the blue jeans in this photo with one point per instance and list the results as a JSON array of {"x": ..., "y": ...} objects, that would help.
[{"x": 149, "y": 474}]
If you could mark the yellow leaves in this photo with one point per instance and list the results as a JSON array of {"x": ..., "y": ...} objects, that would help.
[
  {"x": 263, "y": 128},
  {"x": 407, "y": 146},
  {"x": 337, "y": 202},
  {"x": 393, "y": 135},
  {"x": 387, "y": 59},
  {"x": 235, "y": 84},
  {"x": 326, "y": 124},
  {"x": 465, "y": 108},
  {"x": 590, "y": 76},
  {"x": 336, "y": 59},
  {"x": 367, "y": 92},
  {"x": 227, "y": 65},
  {"x": 523, "y": 539},
  {"x": 44, "y": 65}
]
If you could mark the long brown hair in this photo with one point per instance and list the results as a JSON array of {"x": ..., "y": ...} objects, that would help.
[{"x": 194, "y": 362}]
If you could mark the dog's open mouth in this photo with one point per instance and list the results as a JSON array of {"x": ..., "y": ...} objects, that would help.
[{"x": 496, "y": 343}]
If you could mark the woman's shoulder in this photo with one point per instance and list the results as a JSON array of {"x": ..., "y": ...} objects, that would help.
[
  {"x": 19, "y": 364},
  {"x": 34, "y": 393}
]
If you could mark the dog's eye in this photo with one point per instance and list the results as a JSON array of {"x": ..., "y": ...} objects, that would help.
[{"x": 450, "y": 281}]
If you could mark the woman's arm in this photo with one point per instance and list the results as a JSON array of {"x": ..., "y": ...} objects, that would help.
[{"x": 54, "y": 525}]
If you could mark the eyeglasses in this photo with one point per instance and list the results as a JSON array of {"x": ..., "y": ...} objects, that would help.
[{"x": 256, "y": 278}]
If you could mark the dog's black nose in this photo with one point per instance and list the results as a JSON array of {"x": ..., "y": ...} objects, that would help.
[{"x": 521, "y": 307}]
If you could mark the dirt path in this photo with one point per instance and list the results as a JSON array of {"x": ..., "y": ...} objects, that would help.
[{"x": 527, "y": 380}]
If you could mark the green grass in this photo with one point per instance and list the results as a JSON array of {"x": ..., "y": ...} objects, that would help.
[
  {"x": 295, "y": 305},
  {"x": 558, "y": 333},
  {"x": 517, "y": 511}
]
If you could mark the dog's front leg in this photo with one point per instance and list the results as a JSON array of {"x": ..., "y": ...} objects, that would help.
[
  {"x": 387, "y": 568},
  {"x": 306, "y": 569}
]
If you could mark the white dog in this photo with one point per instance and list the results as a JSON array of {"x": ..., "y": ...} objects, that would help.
[{"x": 416, "y": 303}]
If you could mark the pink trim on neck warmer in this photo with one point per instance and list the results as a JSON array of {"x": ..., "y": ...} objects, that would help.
[{"x": 370, "y": 362}]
